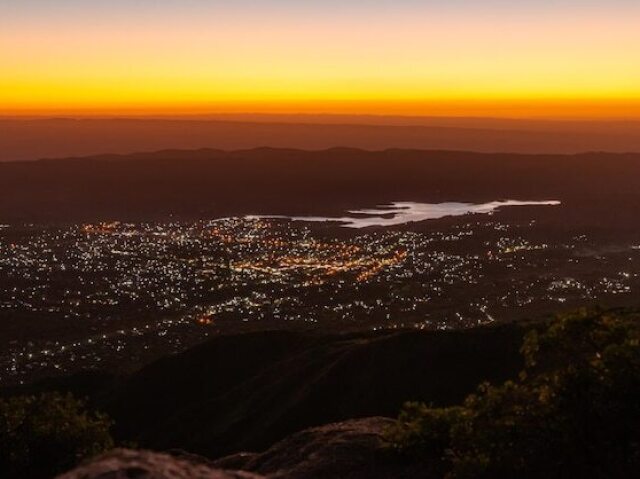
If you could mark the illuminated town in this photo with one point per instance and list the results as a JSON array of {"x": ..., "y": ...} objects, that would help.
[{"x": 114, "y": 294}]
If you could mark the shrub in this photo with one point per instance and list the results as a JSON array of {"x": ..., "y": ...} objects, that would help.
[
  {"x": 574, "y": 411},
  {"x": 47, "y": 434}
]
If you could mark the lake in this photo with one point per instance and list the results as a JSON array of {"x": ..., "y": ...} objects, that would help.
[{"x": 402, "y": 212}]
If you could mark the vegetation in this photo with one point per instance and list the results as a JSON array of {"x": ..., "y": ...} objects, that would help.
[
  {"x": 47, "y": 434},
  {"x": 573, "y": 412}
]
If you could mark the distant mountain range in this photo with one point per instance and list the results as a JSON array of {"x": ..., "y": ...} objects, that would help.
[
  {"x": 31, "y": 139},
  {"x": 596, "y": 189}
]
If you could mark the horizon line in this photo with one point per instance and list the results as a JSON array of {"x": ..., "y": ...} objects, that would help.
[{"x": 248, "y": 115}]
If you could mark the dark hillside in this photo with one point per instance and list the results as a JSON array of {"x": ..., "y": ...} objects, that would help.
[
  {"x": 595, "y": 189},
  {"x": 245, "y": 392}
]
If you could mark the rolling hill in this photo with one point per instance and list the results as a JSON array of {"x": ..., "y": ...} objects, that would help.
[
  {"x": 245, "y": 392},
  {"x": 597, "y": 189}
]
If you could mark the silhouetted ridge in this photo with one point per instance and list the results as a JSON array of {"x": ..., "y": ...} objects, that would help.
[
  {"x": 33, "y": 139},
  {"x": 244, "y": 392},
  {"x": 206, "y": 184}
]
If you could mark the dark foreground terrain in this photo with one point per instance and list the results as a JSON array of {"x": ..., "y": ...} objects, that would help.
[
  {"x": 245, "y": 392},
  {"x": 549, "y": 399}
]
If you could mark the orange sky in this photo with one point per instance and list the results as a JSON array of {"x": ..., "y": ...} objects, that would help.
[{"x": 417, "y": 59}]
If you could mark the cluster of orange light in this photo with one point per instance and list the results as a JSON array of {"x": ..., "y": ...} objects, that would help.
[
  {"x": 205, "y": 320},
  {"x": 101, "y": 228},
  {"x": 335, "y": 260},
  {"x": 379, "y": 265}
]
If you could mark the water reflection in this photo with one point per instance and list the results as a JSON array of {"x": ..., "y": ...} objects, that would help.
[{"x": 402, "y": 212}]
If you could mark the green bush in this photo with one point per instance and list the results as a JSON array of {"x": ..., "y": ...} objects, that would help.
[
  {"x": 573, "y": 412},
  {"x": 41, "y": 436}
]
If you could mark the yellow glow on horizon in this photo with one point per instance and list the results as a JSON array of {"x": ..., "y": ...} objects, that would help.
[{"x": 549, "y": 67}]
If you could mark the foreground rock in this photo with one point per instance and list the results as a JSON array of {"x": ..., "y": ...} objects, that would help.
[
  {"x": 129, "y": 464},
  {"x": 353, "y": 449}
]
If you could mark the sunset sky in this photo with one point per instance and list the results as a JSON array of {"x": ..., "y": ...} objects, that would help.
[{"x": 538, "y": 58}]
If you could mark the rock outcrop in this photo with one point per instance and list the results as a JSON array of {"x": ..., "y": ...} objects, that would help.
[
  {"x": 132, "y": 464},
  {"x": 348, "y": 449},
  {"x": 353, "y": 449}
]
